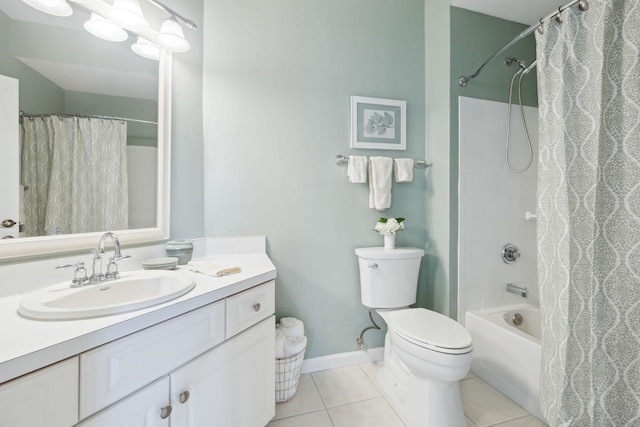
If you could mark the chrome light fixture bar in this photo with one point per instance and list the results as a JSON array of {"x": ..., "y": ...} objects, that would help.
[
  {"x": 125, "y": 14},
  {"x": 188, "y": 22}
]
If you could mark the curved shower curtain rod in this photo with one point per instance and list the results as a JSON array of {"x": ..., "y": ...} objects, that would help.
[{"x": 582, "y": 4}]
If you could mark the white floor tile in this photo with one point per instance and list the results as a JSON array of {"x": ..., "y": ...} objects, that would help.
[
  {"x": 344, "y": 385},
  {"x": 312, "y": 419},
  {"x": 306, "y": 399},
  {"x": 371, "y": 370},
  {"x": 369, "y": 413},
  {"x": 486, "y": 406}
]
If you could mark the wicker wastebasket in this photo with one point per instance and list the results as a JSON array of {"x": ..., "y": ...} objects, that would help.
[{"x": 288, "y": 375}]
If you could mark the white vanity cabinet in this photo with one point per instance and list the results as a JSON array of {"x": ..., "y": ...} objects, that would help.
[
  {"x": 44, "y": 398},
  {"x": 186, "y": 372}
]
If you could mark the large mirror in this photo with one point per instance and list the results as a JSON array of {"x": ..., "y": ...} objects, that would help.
[{"x": 74, "y": 90}]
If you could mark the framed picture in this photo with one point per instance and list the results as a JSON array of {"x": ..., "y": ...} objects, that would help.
[{"x": 378, "y": 123}]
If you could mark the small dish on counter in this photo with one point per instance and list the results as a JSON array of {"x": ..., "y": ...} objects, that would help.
[{"x": 165, "y": 263}]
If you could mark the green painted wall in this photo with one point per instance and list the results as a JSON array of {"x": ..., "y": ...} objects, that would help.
[
  {"x": 277, "y": 81},
  {"x": 474, "y": 38}
]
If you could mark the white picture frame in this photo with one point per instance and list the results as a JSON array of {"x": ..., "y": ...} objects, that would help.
[{"x": 379, "y": 124}]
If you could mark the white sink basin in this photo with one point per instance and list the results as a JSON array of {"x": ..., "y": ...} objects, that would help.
[{"x": 133, "y": 291}]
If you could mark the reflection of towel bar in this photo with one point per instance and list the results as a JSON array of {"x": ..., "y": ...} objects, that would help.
[{"x": 418, "y": 164}]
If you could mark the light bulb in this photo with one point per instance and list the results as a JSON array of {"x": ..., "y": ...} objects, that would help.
[
  {"x": 128, "y": 14},
  {"x": 146, "y": 49},
  {"x": 52, "y": 7},
  {"x": 172, "y": 38},
  {"x": 105, "y": 29}
]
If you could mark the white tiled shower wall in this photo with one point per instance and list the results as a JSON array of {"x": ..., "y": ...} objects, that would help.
[
  {"x": 492, "y": 205},
  {"x": 142, "y": 170}
]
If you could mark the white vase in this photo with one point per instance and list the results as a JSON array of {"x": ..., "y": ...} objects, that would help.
[{"x": 389, "y": 241}]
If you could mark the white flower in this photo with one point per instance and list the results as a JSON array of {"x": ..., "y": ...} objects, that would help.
[{"x": 389, "y": 226}]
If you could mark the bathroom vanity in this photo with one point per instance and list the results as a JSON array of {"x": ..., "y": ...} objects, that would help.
[{"x": 205, "y": 358}]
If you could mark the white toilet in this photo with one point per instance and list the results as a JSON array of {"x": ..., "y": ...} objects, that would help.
[{"x": 426, "y": 353}]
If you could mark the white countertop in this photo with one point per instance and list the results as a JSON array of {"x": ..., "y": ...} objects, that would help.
[{"x": 27, "y": 345}]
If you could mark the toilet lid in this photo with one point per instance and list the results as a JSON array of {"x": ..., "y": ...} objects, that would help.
[{"x": 427, "y": 328}]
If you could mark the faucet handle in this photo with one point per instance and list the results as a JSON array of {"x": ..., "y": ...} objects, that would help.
[
  {"x": 112, "y": 268},
  {"x": 79, "y": 276}
]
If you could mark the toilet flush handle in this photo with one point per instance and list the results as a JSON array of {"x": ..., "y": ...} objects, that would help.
[{"x": 374, "y": 265}]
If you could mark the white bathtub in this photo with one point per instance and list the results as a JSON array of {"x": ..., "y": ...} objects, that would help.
[{"x": 506, "y": 356}]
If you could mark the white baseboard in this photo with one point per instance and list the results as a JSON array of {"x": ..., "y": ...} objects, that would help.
[{"x": 339, "y": 360}]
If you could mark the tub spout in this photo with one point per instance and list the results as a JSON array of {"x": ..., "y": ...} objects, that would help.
[{"x": 517, "y": 290}]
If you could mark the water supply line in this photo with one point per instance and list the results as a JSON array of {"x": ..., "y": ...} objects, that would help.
[
  {"x": 522, "y": 70},
  {"x": 360, "y": 339}
]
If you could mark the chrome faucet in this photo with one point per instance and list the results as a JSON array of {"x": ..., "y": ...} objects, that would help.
[
  {"x": 112, "y": 268},
  {"x": 517, "y": 290}
]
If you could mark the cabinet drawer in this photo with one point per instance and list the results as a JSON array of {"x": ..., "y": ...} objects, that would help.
[
  {"x": 45, "y": 398},
  {"x": 115, "y": 370},
  {"x": 249, "y": 307}
]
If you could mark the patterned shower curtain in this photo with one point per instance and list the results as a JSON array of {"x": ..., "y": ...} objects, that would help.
[
  {"x": 76, "y": 171},
  {"x": 589, "y": 215}
]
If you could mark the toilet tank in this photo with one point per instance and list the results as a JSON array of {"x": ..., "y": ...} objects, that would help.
[{"x": 389, "y": 277}]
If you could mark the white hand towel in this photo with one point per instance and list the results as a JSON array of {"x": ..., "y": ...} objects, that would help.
[
  {"x": 291, "y": 327},
  {"x": 404, "y": 170},
  {"x": 357, "y": 169},
  {"x": 293, "y": 345},
  {"x": 280, "y": 337},
  {"x": 213, "y": 267},
  {"x": 380, "y": 182}
]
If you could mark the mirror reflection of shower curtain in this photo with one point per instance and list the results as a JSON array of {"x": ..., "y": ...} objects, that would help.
[
  {"x": 76, "y": 171},
  {"x": 589, "y": 215}
]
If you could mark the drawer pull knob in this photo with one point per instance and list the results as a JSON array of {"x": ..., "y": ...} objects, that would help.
[
  {"x": 8, "y": 236},
  {"x": 8, "y": 223},
  {"x": 184, "y": 396},
  {"x": 165, "y": 412},
  {"x": 256, "y": 306}
]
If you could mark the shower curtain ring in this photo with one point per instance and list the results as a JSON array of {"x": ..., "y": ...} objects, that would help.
[
  {"x": 559, "y": 18},
  {"x": 540, "y": 27},
  {"x": 583, "y": 5}
]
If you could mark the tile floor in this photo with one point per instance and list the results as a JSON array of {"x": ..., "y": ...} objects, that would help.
[{"x": 350, "y": 397}]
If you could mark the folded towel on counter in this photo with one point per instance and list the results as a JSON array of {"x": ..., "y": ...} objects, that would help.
[
  {"x": 404, "y": 170},
  {"x": 293, "y": 345},
  {"x": 357, "y": 169},
  {"x": 280, "y": 337},
  {"x": 291, "y": 327},
  {"x": 213, "y": 267},
  {"x": 380, "y": 182}
]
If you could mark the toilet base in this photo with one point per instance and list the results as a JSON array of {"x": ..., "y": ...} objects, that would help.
[
  {"x": 424, "y": 403},
  {"x": 420, "y": 402}
]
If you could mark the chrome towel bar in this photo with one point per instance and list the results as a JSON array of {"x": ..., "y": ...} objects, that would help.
[{"x": 341, "y": 160}]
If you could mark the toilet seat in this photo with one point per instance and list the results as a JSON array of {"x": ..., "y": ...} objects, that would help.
[{"x": 430, "y": 330}]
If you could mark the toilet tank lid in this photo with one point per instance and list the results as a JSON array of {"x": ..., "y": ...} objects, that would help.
[{"x": 382, "y": 253}]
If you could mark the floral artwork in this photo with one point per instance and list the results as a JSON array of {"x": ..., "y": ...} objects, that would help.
[{"x": 378, "y": 123}]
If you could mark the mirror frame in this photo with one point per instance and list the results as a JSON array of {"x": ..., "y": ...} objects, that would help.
[{"x": 28, "y": 247}]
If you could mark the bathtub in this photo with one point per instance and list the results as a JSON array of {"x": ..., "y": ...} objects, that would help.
[{"x": 508, "y": 356}]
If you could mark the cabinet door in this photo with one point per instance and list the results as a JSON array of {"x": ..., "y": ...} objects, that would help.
[
  {"x": 45, "y": 398},
  {"x": 147, "y": 408},
  {"x": 231, "y": 385}
]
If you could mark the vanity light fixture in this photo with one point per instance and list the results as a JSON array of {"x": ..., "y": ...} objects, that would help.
[
  {"x": 105, "y": 29},
  {"x": 52, "y": 7},
  {"x": 172, "y": 38},
  {"x": 146, "y": 49},
  {"x": 128, "y": 14}
]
